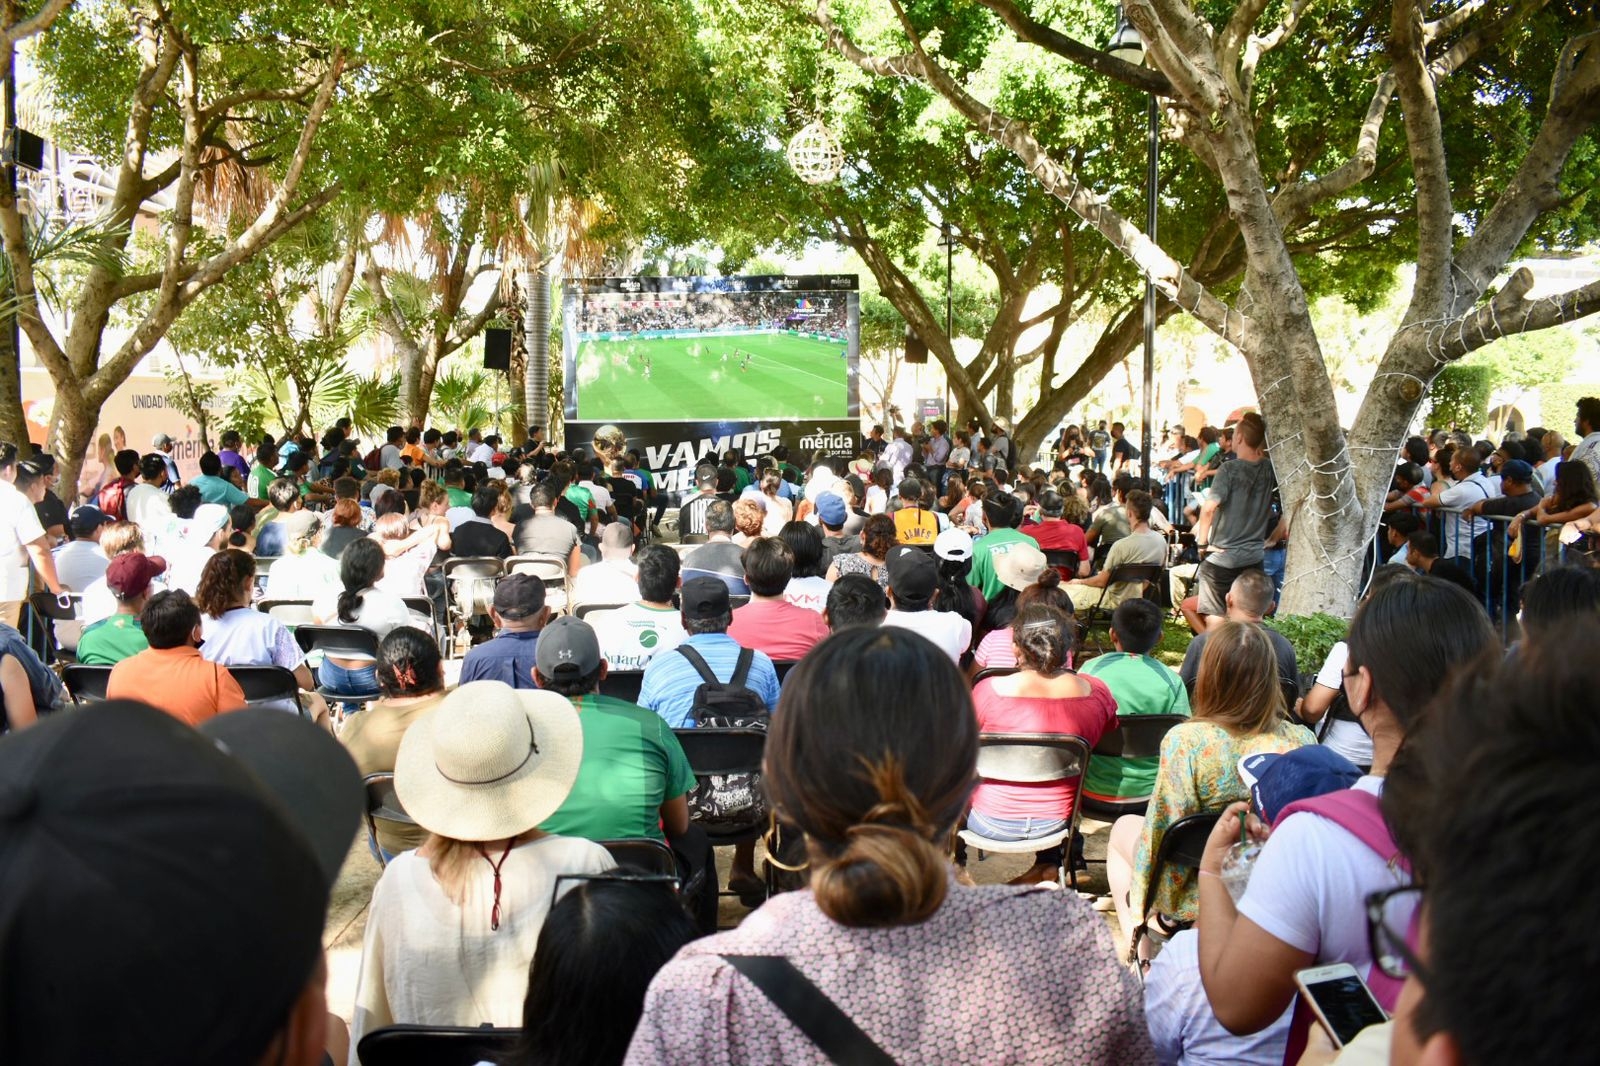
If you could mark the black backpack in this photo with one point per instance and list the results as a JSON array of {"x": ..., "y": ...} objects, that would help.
[{"x": 719, "y": 701}]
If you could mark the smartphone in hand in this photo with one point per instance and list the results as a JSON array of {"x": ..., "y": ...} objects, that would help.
[{"x": 1340, "y": 999}]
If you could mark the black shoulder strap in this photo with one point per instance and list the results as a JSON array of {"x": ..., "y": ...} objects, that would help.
[
  {"x": 812, "y": 1012},
  {"x": 699, "y": 664},
  {"x": 741, "y": 669}
]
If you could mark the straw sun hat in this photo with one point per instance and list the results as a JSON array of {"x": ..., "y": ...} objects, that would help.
[{"x": 490, "y": 762}]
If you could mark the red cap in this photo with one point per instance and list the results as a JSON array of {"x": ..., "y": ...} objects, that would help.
[{"x": 129, "y": 574}]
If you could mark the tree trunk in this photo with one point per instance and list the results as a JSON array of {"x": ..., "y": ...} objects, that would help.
[
  {"x": 71, "y": 434},
  {"x": 536, "y": 323},
  {"x": 13, "y": 426},
  {"x": 1005, "y": 389}
]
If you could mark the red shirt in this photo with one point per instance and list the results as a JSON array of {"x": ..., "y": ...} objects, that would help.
[
  {"x": 1086, "y": 716},
  {"x": 782, "y": 630},
  {"x": 1058, "y": 535}
]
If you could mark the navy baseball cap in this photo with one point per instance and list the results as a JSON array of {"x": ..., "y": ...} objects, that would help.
[
  {"x": 1517, "y": 470},
  {"x": 1276, "y": 779}
]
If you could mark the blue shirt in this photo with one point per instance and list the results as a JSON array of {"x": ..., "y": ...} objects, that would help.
[
  {"x": 670, "y": 680},
  {"x": 219, "y": 490},
  {"x": 508, "y": 657},
  {"x": 47, "y": 690}
]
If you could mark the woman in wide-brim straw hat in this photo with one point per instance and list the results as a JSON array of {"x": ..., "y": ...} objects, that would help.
[{"x": 453, "y": 924}]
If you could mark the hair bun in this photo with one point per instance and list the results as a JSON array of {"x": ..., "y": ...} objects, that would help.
[
  {"x": 1049, "y": 578},
  {"x": 886, "y": 875}
]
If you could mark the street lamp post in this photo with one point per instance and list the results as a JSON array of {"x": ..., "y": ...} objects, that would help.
[
  {"x": 1127, "y": 45},
  {"x": 947, "y": 241}
]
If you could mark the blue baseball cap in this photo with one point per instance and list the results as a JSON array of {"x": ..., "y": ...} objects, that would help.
[
  {"x": 1276, "y": 779},
  {"x": 831, "y": 510}
]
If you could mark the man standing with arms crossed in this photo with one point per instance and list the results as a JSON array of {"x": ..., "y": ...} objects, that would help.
[{"x": 1235, "y": 520}]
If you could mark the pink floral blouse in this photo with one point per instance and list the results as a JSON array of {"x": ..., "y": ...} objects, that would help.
[{"x": 999, "y": 974}]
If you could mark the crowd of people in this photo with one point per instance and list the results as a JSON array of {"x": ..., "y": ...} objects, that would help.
[
  {"x": 672, "y": 312},
  {"x": 1380, "y": 816}
]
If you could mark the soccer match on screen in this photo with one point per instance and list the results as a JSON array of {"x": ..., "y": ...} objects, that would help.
[{"x": 712, "y": 355}]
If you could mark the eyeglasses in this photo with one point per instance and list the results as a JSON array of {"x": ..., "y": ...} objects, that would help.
[{"x": 1391, "y": 916}]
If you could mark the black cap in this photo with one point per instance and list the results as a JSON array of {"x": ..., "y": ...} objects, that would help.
[
  {"x": 157, "y": 903},
  {"x": 519, "y": 597},
  {"x": 86, "y": 519},
  {"x": 704, "y": 597},
  {"x": 913, "y": 576}
]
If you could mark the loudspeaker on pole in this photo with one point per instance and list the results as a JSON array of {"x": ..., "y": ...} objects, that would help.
[
  {"x": 916, "y": 350},
  {"x": 497, "y": 349}
]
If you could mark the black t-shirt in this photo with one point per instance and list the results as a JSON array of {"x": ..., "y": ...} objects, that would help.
[
  {"x": 1511, "y": 506},
  {"x": 51, "y": 511},
  {"x": 1124, "y": 448},
  {"x": 477, "y": 538},
  {"x": 569, "y": 510}
]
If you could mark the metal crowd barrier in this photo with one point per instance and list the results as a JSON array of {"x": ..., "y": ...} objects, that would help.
[{"x": 1482, "y": 545}]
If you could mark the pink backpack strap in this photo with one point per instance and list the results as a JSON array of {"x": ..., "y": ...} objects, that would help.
[{"x": 1358, "y": 813}]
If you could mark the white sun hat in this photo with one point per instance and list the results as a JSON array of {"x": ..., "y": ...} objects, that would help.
[{"x": 490, "y": 762}]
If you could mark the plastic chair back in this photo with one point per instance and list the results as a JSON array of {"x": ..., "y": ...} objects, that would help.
[
  {"x": 622, "y": 684},
  {"x": 993, "y": 671},
  {"x": 1031, "y": 758},
  {"x": 292, "y": 613},
  {"x": 425, "y": 1045},
  {"x": 267, "y": 685},
  {"x": 337, "y": 640},
  {"x": 584, "y": 610},
  {"x": 86, "y": 684},
  {"x": 1138, "y": 736},
  {"x": 643, "y": 853},
  {"x": 383, "y": 802},
  {"x": 719, "y": 752}
]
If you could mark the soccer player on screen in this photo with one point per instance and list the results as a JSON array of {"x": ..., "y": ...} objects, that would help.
[{"x": 744, "y": 364}]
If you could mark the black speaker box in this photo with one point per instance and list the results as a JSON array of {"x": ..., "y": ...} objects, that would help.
[{"x": 497, "y": 349}]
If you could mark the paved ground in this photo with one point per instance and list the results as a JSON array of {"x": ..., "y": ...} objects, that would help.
[{"x": 347, "y": 912}]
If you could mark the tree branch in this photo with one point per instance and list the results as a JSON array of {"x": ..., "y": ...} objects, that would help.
[
  {"x": 1509, "y": 312},
  {"x": 1425, "y": 141},
  {"x": 1536, "y": 187},
  {"x": 1031, "y": 31},
  {"x": 38, "y": 22},
  {"x": 1169, "y": 276},
  {"x": 1490, "y": 33},
  {"x": 473, "y": 325},
  {"x": 1294, "y": 204}
]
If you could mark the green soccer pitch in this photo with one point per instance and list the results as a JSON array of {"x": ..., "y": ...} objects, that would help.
[{"x": 699, "y": 378}]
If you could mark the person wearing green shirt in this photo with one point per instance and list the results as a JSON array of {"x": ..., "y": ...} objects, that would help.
[
  {"x": 1142, "y": 684},
  {"x": 261, "y": 474},
  {"x": 1003, "y": 512},
  {"x": 582, "y": 499},
  {"x": 741, "y": 473},
  {"x": 453, "y": 481},
  {"x": 111, "y": 640},
  {"x": 634, "y": 779}
]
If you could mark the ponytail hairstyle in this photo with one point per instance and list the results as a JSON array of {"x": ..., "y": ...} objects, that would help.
[
  {"x": 360, "y": 564},
  {"x": 1043, "y": 638},
  {"x": 876, "y": 794},
  {"x": 408, "y": 664}
]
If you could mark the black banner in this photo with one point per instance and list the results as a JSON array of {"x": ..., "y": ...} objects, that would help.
[{"x": 672, "y": 450}]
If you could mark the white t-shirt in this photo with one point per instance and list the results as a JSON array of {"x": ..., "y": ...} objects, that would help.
[
  {"x": 633, "y": 635},
  {"x": 1346, "y": 738},
  {"x": 601, "y": 494},
  {"x": 945, "y": 628},
  {"x": 428, "y": 961},
  {"x": 1310, "y": 885},
  {"x": 389, "y": 457},
  {"x": 379, "y": 612},
  {"x": 19, "y": 526},
  {"x": 808, "y": 592},
  {"x": 1183, "y": 1028},
  {"x": 147, "y": 506},
  {"x": 79, "y": 564},
  {"x": 186, "y": 564},
  {"x": 479, "y": 453},
  {"x": 302, "y": 577},
  {"x": 1458, "y": 530},
  {"x": 606, "y": 582}
]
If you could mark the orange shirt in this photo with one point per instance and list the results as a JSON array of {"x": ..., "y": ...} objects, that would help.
[
  {"x": 178, "y": 681},
  {"x": 913, "y": 525},
  {"x": 415, "y": 453}
]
